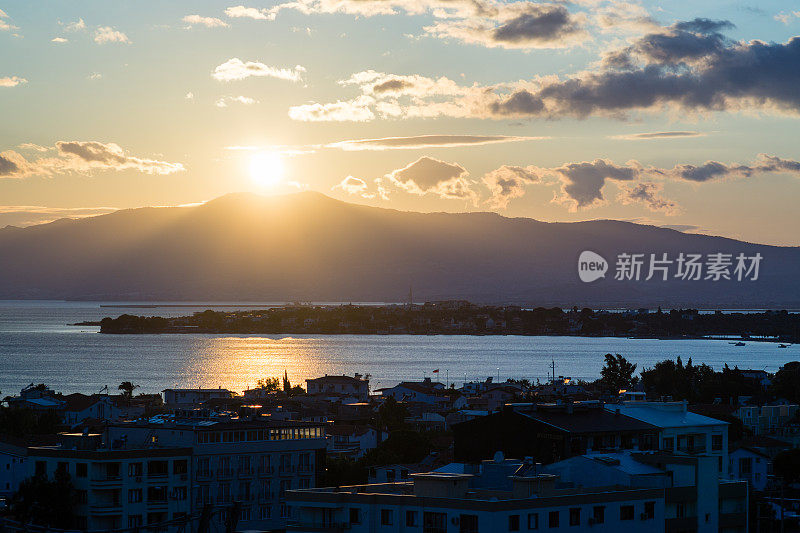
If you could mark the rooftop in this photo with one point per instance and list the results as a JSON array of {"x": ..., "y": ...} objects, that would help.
[{"x": 664, "y": 415}]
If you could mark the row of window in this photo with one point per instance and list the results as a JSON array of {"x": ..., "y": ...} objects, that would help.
[
  {"x": 468, "y": 523},
  {"x": 256, "y": 435},
  {"x": 109, "y": 470},
  {"x": 247, "y": 491}
]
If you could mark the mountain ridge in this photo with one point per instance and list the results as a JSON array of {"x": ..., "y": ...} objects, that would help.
[{"x": 310, "y": 247}]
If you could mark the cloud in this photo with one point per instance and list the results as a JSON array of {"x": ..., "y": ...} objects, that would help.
[
  {"x": 786, "y": 18},
  {"x": 429, "y": 175},
  {"x": 531, "y": 26},
  {"x": 29, "y": 215},
  {"x": 94, "y": 76},
  {"x": 4, "y": 24},
  {"x": 12, "y": 81},
  {"x": 714, "y": 170},
  {"x": 107, "y": 34},
  {"x": 59, "y": 40},
  {"x": 353, "y": 111},
  {"x": 78, "y": 25},
  {"x": 582, "y": 183},
  {"x": 81, "y": 157},
  {"x": 508, "y": 182},
  {"x": 658, "y": 135},
  {"x": 208, "y": 22},
  {"x": 353, "y": 186},
  {"x": 249, "y": 12},
  {"x": 236, "y": 69},
  {"x": 682, "y": 68},
  {"x": 425, "y": 141},
  {"x": 189, "y": 96},
  {"x": 225, "y": 100},
  {"x": 649, "y": 194}
]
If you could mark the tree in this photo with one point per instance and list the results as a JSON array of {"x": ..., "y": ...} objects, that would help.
[
  {"x": 785, "y": 382},
  {"x": 44, "y": 502},
  {"x": 391, "y": 415},
  {"x": 617, "y": 373},
  {"x": 269, "y": 384},
  {"x": 127, "y": 389},
  {"x": 786, "y": 465}
]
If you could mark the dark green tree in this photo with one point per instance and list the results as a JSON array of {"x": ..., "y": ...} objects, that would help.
[
  {"x": 786, "y": 382},
  {"x": 45, "y": 502},
  {"x": 617, "y": 373},
  {"x": 127, "y": 389},
  {"x": 391, "y": 415},
  {"x": 786, "y": 465}
]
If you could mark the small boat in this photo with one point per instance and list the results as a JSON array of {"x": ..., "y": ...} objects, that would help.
[
  {"x": 783, "y": 345},
  {"x": 740, "y": 343}
]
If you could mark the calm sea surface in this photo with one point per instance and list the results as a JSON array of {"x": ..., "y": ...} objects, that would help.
[{"x": 38, "y": 345}]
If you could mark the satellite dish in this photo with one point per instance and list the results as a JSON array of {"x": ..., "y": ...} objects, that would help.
[{"x": 499, "y": 457}]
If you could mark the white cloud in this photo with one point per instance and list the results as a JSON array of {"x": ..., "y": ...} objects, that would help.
[
  {"x": 236, "y": 69},
  {"x": 78, "y": 25},
  {"x": 189, "y": 96},
  {"x": 430, "y": 175},
  {"x": 58, "y": 40},
  {"x": 107, "y": 34},
  {"x": 12, "y": 81},
  {"x": 249, "y": 12},
  {"x": 4, "y": 24},
  {"x": 84, "y": 157},
  {"x": 417, "y": 142},
  {"x": 29, "y": 215},
  {"x": 353, "y": 186},
  {"x": 786, "y": 18},
  {"x": 353, "y": 111},
  {"x": 94, "y": 76},
  {"x": 208, "y": 22},
  {"x": 225, "y": 100}
]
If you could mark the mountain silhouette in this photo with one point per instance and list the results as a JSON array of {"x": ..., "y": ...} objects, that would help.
[{"x": 310, "y": 247}]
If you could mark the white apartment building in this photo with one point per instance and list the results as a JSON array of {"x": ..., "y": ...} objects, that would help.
[
  {"x": 13, "y": 468},
  {"x": 183, "y": 398},
  {"x": 681, "y": 431},
  {"x": 250, "y": 461},
  {"x": 118, "y": 488},
  {"x": 507, "y": 496}
]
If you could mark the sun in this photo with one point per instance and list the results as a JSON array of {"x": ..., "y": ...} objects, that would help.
[{"x": 266, "y": 169}]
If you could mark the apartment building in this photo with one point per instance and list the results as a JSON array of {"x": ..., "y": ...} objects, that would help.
[
  {"x": 13, "y": 467},
  {"x": 768, "y": 419},
  {"x": 118, "y": 486},
  {"x": 653, "y": 494},
  {"x": 680, "y": 430},
  {"x": 356, "y": 387},
  {"x": 250, "y": 461},
  {"x": 186, "y": 398}
]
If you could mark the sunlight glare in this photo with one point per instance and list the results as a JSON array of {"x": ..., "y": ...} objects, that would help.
[{"x": 266, "y": 169}]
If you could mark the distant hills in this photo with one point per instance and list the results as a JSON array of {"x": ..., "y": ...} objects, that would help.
[{"x": 309, "y": 247}]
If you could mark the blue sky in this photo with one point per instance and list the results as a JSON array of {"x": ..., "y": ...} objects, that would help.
[{"x": 111, "y": 105}]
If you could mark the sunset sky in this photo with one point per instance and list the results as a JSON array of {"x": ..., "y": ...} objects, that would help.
[{"x": 683, "y": 116}]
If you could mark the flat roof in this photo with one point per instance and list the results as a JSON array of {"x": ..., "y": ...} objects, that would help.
[{"x": 668, "y": 416}]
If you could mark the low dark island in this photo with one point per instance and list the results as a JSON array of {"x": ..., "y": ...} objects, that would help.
[{"x": 463, "y": 318}]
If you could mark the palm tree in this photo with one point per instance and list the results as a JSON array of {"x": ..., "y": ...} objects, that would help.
[{"x": 127, "y": 389}]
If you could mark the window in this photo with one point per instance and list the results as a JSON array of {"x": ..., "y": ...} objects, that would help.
[
  {"x": 649, "y": 510},
  {"x": 355, "y": 515},
  {"x": 411, "y": 518},
  {"x": 745, "y": 465},
  {"x": 81, "y": 496},
  {"x": 575, "y": 516},
  {"x": 81, "y": 470},
  {"x": 180, "y": 466},
  {"x": 62, "y": 467},
  {"x": 468, "y": 523},
  {"x": 434, "y": 522},
  {"x": 134, "y": 520},
  {"x": 244, "y": 514},
  {"x": 386, "y": 517},
  {"x": 134, "y": 469},
  {"x": 41, "y": 468},
  {"x": 716, "y": 442},
  {"x": 668, "y": 444},
  {"x": 552, "y": 519},
  {"x": 156, "y": 494},
  {"x": 179, "y": 493},
  {"x": 203, "y": 494},
  {"x": 305, "y": 483},
  {"x": 599, "y": 514},
  {"x": 134, "y": 495},
  {"x": 533, "y": 521},
  {"x": 224, "y": 492},
  {"x": 680, "y": 510},
  {"x": 265, "y": 512},
  {"x": 244, "y": 491},
  {"x": 626, "y": 512},
  {"x": 157, "y": 468},
  {"x": 513, "y": 522}
]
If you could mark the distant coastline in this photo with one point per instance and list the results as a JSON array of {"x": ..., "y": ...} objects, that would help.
[{"x": 464, "y": 318}]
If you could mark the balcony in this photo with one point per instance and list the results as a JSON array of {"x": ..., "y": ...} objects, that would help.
[
  {"x": 245, "y": 473},
  {"x": 286, "y": 470},
  {"x": 106, "y": 508},
  {"x": 157, "y": 504},
  {"x": 305, "y": 469},
  {"x": 204, "y": 474},
  {"x": 106, "y": 481},
  {"x": 266, "y": 496},
  {"x": 266, "y": 470},
  {"x": 224, "y": 473}
]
